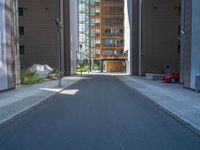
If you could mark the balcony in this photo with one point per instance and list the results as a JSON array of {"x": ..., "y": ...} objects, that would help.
[
  {"x": 97, "y": 35},
  {"x": 118, "y": 35},
  {"x": 95, "y": 4},
  {"x": 113, "y": 46},
  {"x": 110, "y": 21},
  {"x": 95, "y": 26},
  {"x": 112, "y": 10},
  {"x": 108, "y": 57},
  {"x": 112, "y": 2},
  {"x": 97, "y": 56},
  {"x": 96, "y": 46},
  {"x": 112, "y": 25},
  {"x": 95, "y": 15}
]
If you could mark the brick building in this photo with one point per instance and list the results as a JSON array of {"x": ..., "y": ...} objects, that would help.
[
  {"x": 154, "y": 35},
  {"x": 107, "y": 34},
  {"x": 165, "y": 32},
  {"x": 38, "y": 36}
]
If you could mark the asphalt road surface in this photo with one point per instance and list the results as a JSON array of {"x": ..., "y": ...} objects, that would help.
[{"x": 97, "y": 113}]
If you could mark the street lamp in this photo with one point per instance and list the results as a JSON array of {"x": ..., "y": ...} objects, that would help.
[
  {"x": 59, "y": 26},
  {"x": 81, "y": 58}
]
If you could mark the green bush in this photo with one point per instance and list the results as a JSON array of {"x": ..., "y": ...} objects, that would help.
[
  {"x": 82, "y": 70},
  {"x": 28, "y": 77},
  {"x": 55, "y": 71}
]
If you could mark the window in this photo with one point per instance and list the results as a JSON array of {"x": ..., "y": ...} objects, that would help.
[
  {"x": 113, "y": 52},
  {"x": 21, "y": 50},
  {"x": 113, "y": 42},
  {"x": 21, "y": 11},
  {"x": 108, "y": 42},
  {"x": 21, "y": 30},
  {"x": 113, "y": 31},
  {"x": 108, "y": 52}
]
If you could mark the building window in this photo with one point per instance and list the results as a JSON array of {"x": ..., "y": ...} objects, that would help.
[
  {"x": 108, "y": 42},
  {"x": 113, "y": 52},
  {"x": 108, "y": 52},
  {"x": 113, "y": 31},
  {"x": 21, "y": 30},
  {"x": 113, "y": 42},
  {"x": 21, "y": 50},
  {"x": 21, "y": 11}
]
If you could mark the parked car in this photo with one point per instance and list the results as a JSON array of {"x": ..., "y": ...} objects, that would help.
[{"x": 172, "y": 77}]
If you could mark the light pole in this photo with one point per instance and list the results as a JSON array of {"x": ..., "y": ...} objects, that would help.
[
  {"x": 59, "y": 26},
  {"x": 81, "y": 58}
]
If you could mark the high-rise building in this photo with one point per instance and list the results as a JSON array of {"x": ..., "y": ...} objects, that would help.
[
  {"x": 38, "y": 33},
  {"x": 165, "y": 32},
  {"x": 154, "y": 26},
  {"x": 107, "y": 34},
  {"x": 9, "y": 54}
]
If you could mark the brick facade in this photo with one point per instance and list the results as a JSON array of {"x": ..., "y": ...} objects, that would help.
[
  {"x": 159, "y": 38},
  {"x": 154, "y": 36},
  {"x": 39, "y": 39}
]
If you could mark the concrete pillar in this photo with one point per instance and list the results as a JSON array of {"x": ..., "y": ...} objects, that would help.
[{"x": 101, "y": 65}]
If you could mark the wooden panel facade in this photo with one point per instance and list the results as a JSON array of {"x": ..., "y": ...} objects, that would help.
[{"x": 107, "y": 30}]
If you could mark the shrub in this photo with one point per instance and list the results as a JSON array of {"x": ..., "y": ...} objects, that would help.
[
  {"x": 28, "y": 77},
  {"x": 83, "y": 70},
  {"x": 55, "y": 71}
]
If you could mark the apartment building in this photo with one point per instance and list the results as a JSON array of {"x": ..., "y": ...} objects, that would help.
[
  {"x": 38, "y": 33},
  {"x": 154, "y": 28},
  {"x": 107, "y": 34},
  {"x": 9, "y": 54},
  {"x": 156, "y": 36},
  {"x": 190, "y": 42}
]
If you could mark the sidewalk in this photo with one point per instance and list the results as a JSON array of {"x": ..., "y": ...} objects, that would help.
[
  {"x": 183, "y": 104},
  {"x": 14, "y": 102}
]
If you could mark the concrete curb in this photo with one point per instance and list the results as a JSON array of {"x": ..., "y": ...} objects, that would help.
[
  {"x": 161, "y": 107},
  {"x": 31, "y": 107}
]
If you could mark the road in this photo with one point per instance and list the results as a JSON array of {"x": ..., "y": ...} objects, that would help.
[{"x": 97, "y": 113}]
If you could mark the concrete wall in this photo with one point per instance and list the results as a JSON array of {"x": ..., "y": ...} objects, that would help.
[
  {"x": 195, "y": 45},
  {"x": 186, "y": 28},
  {"x": 9, "y": 69},
  {"x": 135, "y": 35},
  {"x": 190, "y": 37},
  {"x": 73, "y": 33},
  {"x": 133, "y": 7},
  {"x": 127, "y": 32},
  {"x": 3, "y": 48},
  {"x": 16, "y": 41}
]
